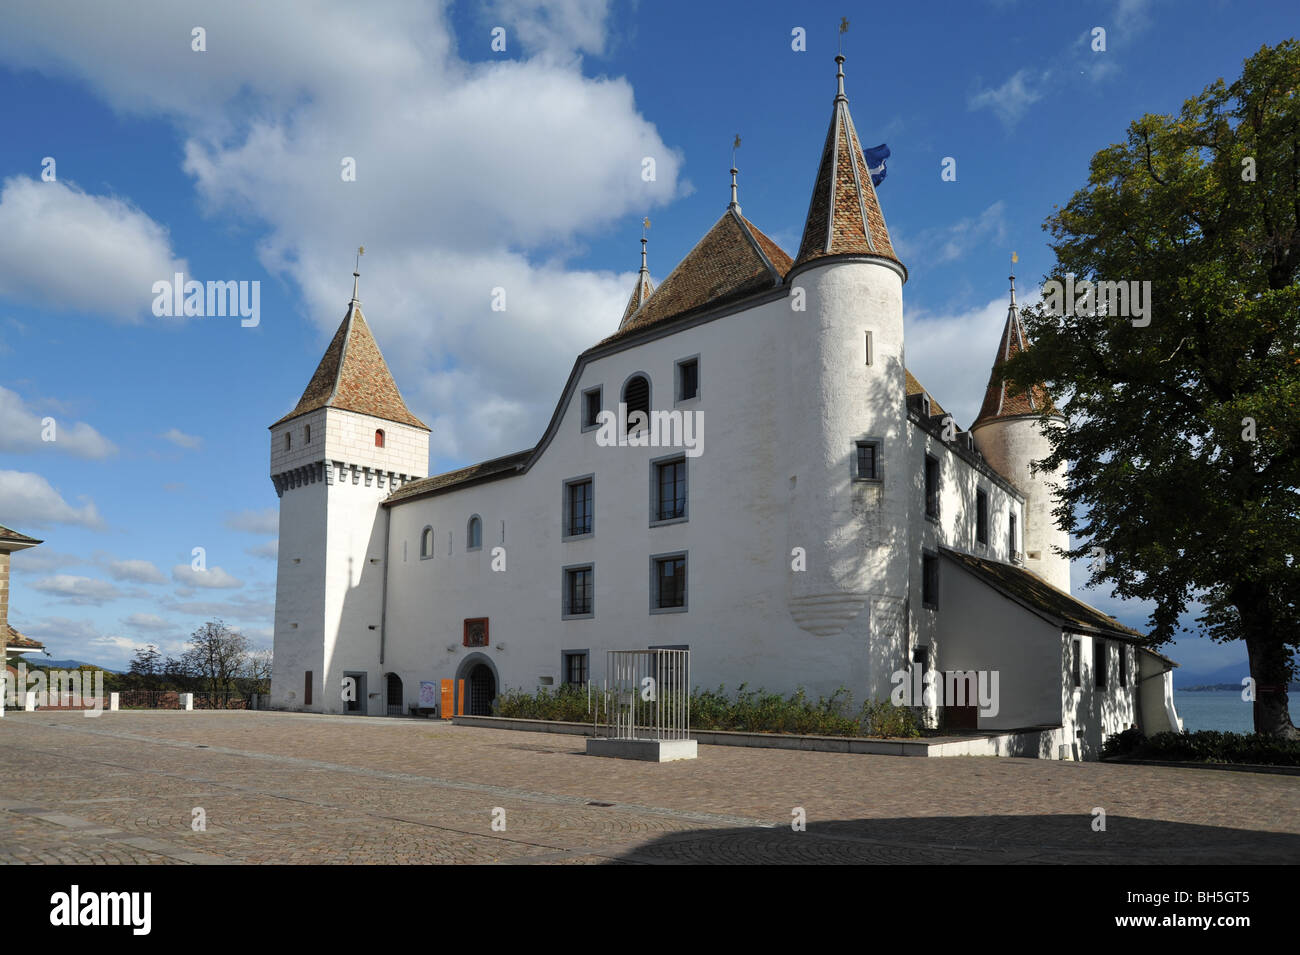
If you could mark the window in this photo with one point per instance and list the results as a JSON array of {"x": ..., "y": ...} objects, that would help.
[
  {"x": 636, "y": 396},
  {"x": 575, "y": 667},
  {"x": 1013, "y": 552},
  {"x": 288, "y": 441},
  {"x": 476, "y": 631},
  {"x": 668, "y": 583},
  {"x": 1074, "y": 663},
  {"x": 981, "y": 517},
  {"x": 866, "y": 463},
  {"x": 1123, "y": 665},
  {"x": 591, "y": 401},
  {"x": 426, "y": 543},
  {"x": 579, "y": 507},
  {"x": 379, "y": 437},
  {"x": 669, "y": 490},
  {"x": 306, "y": 689},
  {"x": 1099, "y": 662},
  {"x": 930, "y": 580},
  {"x": 688, "y": 379},
  {"x": 579, "y": 592},
  {"x": 931, "y": 487},
  {"x": 474, "y": 534},
  {"x": 306, "y": 434},
  {"x": 868, "y": 348}
]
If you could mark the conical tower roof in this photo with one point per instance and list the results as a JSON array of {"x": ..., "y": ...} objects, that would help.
[
  {"x": 844, "y": 216},
  {"x": 640, "y": 292},
  {"x": 353, "y": 376},
  {"x": 1001, "y": 400}
]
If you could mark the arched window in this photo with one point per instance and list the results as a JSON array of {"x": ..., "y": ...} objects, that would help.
[
  {"x": 379, "y": 438},
  {"x": 426, "y": 543},
  {"x": 307, "y": 435},
  {"x": 474, "y": 534},
  {"x": 636, "y": 395}
]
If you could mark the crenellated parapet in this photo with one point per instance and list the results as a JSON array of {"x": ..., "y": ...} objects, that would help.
[{"x": 340, "y": 472}]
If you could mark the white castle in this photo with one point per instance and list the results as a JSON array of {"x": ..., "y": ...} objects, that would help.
[{"x": 835, "y": 528}]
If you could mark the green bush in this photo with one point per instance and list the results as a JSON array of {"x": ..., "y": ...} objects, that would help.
[
  {"x": 749, "y": 711},
  {"x": 1210, "y": 746}
]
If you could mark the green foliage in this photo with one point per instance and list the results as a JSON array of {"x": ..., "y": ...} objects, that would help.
[
  {"x": 749, "y": 711},
  {"x": 1183, "y": 436},
  {"x": 1210, "y": 746}
]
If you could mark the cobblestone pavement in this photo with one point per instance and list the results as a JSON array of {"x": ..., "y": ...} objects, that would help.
[{"x": 293, "y": 788}]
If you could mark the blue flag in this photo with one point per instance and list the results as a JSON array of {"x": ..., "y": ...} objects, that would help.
[{"x": 876, "y": 162}]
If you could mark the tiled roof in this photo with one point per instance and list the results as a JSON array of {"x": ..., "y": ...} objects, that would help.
[
  {"x": 844, "y": 214},
  {"x": 734, "y": 259},
  {"x": 914, "y": 387},
  {"x": 640, "y": 292},
  {"x": 1028, "y": 588},
  {"x": 16, "y": 641},
  {"x": 1001, "y": 400},
  {"x": 497, "y": 468},
  {"x": 353, "y": 376},
  {"x": 8, "y": 536}
]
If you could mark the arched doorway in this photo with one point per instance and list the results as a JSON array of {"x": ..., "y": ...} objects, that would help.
[
  {"x": 481, "y": 688},
  {"x": 393, "y": 686}
]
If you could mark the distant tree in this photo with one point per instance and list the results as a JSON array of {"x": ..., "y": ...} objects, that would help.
[
  {"x": 216, "y": 655},
  {"x": 145, "y": 666},
  {"x": 1183, "y": 430},
  {"x": 258, "y": 671}
]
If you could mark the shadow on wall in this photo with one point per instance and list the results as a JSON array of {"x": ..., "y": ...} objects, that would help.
[{"x": 1068, "y": 839}]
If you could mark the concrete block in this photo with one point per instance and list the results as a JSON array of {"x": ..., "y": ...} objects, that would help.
[
  {"x": 114, "y": 699},
  {"x": 187, "y": 701},
  {"x": 29, "y": 701},
  {"x": 653, "y": 750}
]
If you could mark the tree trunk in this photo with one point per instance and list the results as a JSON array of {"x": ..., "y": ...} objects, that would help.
[{"x": 1268, "y": 666}]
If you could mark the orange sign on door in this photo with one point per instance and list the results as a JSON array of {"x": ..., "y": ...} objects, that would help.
[
  {"x": 460, "y": 697},
  {"x": 447, "y": 704}
]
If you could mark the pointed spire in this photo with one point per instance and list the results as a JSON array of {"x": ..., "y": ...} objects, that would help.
[
  {"x": 356, "y": 275},
  {"x": 844, "y": 216},
  {"x": 1000, "y": 399},
  {"x": 352, "y": 374},
  {"x": 643, "y": 288},
  {"x": 734, "y": 203}
]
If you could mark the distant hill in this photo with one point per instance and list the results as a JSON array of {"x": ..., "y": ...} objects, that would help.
[
  {"x": 1233, "y": 673},
  {"x": 66, "y": 664}
]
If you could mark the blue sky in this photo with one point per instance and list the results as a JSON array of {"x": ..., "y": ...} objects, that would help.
[{"x": 475, "y": 169}]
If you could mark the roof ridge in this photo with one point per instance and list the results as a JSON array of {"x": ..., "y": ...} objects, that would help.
[{"x": 753, "y": 241}]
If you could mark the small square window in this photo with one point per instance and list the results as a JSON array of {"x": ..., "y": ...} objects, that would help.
[
  {"x": 668, "y": 583},
  {"x": 579, "y": 592},
  {"x": 930, "y": 580},
  {"x": 688, "y": 379},
  {"x": 591, "y": 406},
  {"x": 867, "y": 461}
]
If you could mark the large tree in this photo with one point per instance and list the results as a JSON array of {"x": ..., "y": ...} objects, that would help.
[
  {"x": 216, "y": 655},
  {"x": 1182, "y": 427}
]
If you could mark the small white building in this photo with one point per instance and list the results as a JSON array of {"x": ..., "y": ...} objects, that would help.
[{"x": 744, "y": 468}]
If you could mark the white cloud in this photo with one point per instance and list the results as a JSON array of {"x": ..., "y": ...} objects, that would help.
[
  {"x": 264, "y": 521},
  {"x": 1010, "y": 100},
  {"x": 23, "y": 429},
  {"x": 150, "y": 622},
  {"x": 470, "y": 176},
  {"x": 138, "y": 571},
  {"x": 941, "y": 244},
  {"x": 27, "y": 499},
  {"x": 77, "y": 590},
  {"x": 951, "y": 355},
  {"x": 109, "y": 253},
  {"x": 213, "y": 578},
  {"x": 181, "y": 439},
  {"x": 269, "y": 551}
]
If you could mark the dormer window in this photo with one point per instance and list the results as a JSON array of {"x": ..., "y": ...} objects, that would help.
[{"x": 379, "y": 438}]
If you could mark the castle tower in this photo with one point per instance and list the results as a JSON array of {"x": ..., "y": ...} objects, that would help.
[
  {"x": 348, "y": 443},
  {"x": 849, "y": 508},
  {"x": 1009, "y": 434}
]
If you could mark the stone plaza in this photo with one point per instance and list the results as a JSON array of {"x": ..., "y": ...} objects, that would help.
[{"x": 227, "y": 787}]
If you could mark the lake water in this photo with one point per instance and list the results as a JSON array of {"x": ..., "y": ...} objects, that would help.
[{"x": 1214, "y": 710}]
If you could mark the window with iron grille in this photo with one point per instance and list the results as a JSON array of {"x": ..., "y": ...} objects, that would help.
[
  {"x": 670, "y": 485},
  {"x": 931, "y": 487},
  {"x": 981, "y": 517},
  {"x": 669, "y": 584},
  {"x": 575, "y": 667},
  {"x": 579, "y": 507},
  {"x": 867, "y": 461},
  {"x": 578, "y": 591}
]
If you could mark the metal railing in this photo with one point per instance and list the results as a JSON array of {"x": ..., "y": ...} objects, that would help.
[{"x": 646, "y": 694}]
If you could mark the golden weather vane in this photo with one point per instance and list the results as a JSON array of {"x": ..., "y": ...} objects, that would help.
[{"x": 645, "y": 224}]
